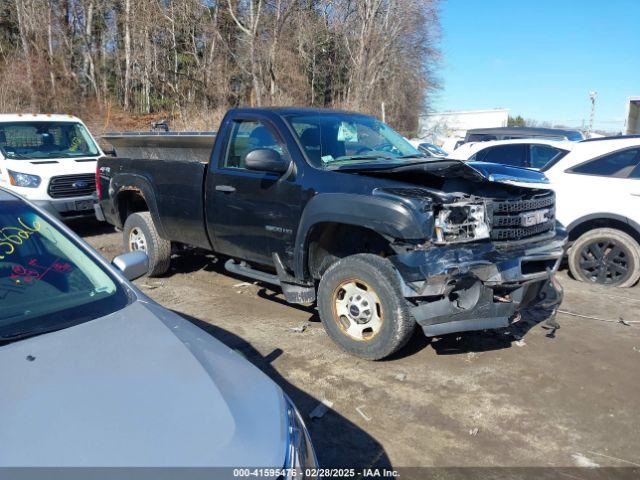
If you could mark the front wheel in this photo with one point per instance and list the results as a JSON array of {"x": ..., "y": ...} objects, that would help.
[
  {"x": 362, "y": 308},
  {"x": 606, "y": 256},
  {"x": 140, "y": 234}
]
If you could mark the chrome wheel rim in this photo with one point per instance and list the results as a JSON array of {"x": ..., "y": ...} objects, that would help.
[
  {"x": 357, "y": 310},
  {"x": 604, "y": 261},
  {"x": 137, "y": 240}
]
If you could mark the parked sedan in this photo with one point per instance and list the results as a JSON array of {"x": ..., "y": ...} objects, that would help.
[
  {"x": 534, "y": 153},
  {"x": 94, "y": 373}
]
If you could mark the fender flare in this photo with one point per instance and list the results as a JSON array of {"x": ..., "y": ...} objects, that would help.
[
  {"x": 603, "y": 215},
  {"x": 132, "y": 181},
  {"x": 386, "y": 216}
]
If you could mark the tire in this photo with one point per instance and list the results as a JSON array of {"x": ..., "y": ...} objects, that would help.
[
  {"x": 606, "y": 256},
  {"x": 158, "y": 249},
  {"x": 364, "y": 287}
]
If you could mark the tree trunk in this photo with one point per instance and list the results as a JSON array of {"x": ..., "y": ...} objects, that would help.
[{"x": 127, "y": 52}]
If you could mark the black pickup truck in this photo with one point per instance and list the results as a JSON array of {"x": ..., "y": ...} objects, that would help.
[{"x": 338, "y": 208}]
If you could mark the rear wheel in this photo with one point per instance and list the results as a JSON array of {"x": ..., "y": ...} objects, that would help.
[
  {"x": 362, "y": 308},
  {"x": 606, "y": 256},
  {"x": 140, "y": 234}
]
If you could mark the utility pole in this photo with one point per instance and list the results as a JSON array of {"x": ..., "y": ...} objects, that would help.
[
  {"x": 592, "y": 96},
  {"x": 384, "y": 113}
]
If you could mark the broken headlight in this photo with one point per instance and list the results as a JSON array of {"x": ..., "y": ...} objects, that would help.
[{"x": 461, "y": 222}]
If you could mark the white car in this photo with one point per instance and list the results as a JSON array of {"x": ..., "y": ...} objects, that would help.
[
  {"x": 534, "y": 153},
  {"x": 597, "y": 185},
  {"x": 50, "y": 160}
]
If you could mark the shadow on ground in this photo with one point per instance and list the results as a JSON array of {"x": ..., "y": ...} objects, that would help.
[
  {"x": 90, "y": 227},
  {"x": 338, "y": 442},
  {"x": 457, "y": 343}
]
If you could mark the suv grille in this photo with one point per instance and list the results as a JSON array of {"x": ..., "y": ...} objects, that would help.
[
  {"x": 508, "y": 218},
  {"x": 72, "y": 186}
]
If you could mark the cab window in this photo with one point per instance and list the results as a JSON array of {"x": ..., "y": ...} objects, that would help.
[{"x": 246, "y": 136}]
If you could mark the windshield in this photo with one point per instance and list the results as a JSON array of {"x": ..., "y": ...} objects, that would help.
[
  {"x": 46, "y": 281},
  {"x": 432, "y": 149},
  {"x": 575, "y": 137},
  {"x": 29, "y": 140},
  {"x": 339, "y": 139}
]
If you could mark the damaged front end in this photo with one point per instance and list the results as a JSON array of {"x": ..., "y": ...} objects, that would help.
[
  {"x": 492, "y": 257},
  {"x": 458, "y": 288}
]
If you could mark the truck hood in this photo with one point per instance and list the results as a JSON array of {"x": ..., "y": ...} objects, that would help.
[
  {"x": 140, "y": 387},
  {"x": 52, "y": 166},
  {"x": 447, "y": 168}
]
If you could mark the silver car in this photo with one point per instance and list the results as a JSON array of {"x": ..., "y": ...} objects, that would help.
[{"x": 94, "y": 373}]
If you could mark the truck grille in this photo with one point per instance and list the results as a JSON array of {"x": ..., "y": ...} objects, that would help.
[
  {"x": 508, "y": 218},
  {"x": 72, "y": 186}
]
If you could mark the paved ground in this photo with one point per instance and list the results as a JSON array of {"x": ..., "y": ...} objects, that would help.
[{"x": 569, "y": 399}]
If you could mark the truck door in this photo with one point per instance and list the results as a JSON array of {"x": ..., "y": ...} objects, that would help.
[{"x": 250, "y": 214}]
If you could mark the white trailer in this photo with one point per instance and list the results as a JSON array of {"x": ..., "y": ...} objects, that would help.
[{"x": 632, "y": 120}]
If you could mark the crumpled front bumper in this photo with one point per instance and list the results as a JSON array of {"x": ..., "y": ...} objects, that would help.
[{"x": 481, "y": 286}]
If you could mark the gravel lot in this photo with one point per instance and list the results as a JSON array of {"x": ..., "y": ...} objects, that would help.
[{"x": 569, "y": 398}]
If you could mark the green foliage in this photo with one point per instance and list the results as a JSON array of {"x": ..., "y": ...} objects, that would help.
[{"x": 516, "y": 121}]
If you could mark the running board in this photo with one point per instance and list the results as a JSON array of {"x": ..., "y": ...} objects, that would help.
[
  {"x": 292, "y": 293},
  {"x": 245, "y": 270}
]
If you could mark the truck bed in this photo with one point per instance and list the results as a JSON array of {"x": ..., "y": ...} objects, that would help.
[{"x": 174, "y": 166}]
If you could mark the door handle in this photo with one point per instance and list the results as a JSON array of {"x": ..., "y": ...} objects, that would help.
[
  {"x": 635, "y": 194},
  {"x": 225, "y": 188}
]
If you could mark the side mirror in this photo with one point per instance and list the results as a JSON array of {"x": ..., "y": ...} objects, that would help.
[
  {"x": 265, "y": 160},
  {"x": 132, "y": 265},
  {"x": 110, "y": 152}
]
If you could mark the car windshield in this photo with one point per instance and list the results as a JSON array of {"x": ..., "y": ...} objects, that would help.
[
  {"x": 47, "y": 282},
  {"x": 575, "y": 136},
  {"x": 334, "y": 140},
  {"x": 31, "y": 140},
  {"x": 433, "y": 149}
]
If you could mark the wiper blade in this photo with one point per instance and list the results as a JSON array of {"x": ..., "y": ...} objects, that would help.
[
  {"x": 361, "y": 157},
  {"x": 20, "y": 336},
  {"x": 30, "y": 333}
]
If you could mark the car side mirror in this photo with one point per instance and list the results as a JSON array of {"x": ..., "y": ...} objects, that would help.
[
  {"x": 132, "y": 265},
  {"x": 110, "y": 152},
  {"x": 266, "y": 160}
]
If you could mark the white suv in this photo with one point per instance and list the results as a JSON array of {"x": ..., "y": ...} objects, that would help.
[
  {"x": 535, "y": 153},
  {"x": 51, "y": 160},
  {"x": 597, "y": 185}
]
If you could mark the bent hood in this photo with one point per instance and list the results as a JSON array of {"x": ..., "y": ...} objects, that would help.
[
  {"x": 447, "y": 168},
  {"x": 141, "y": 387}
]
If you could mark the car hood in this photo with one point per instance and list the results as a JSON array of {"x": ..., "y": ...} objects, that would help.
[
  {"x": 140, "y": 387},
  {"x": 448, "y": 168},
  {"x": 50, "y": 167}
]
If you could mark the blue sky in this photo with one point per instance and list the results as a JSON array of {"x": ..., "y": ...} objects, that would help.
[{"x": 541, "y": 58}]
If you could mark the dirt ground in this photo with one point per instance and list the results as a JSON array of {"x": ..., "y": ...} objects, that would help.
[{"x": 564, "y": 398}]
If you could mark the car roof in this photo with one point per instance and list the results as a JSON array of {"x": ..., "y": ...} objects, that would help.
[
  {"x": 522, "y": 131},
  {"x": 297, "y": 110},
  {"x": 614, "y": 137},
  {"x": 37, "y": 117}
]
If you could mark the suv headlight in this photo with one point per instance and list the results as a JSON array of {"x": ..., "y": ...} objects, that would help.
[
  {"x": 300, "y": 453},
  {"x": 461, "y": 222},
  {"x": 24, "y": 179}
]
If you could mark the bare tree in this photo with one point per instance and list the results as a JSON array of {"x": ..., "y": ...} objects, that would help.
[{"x": 187, "y": 58}]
